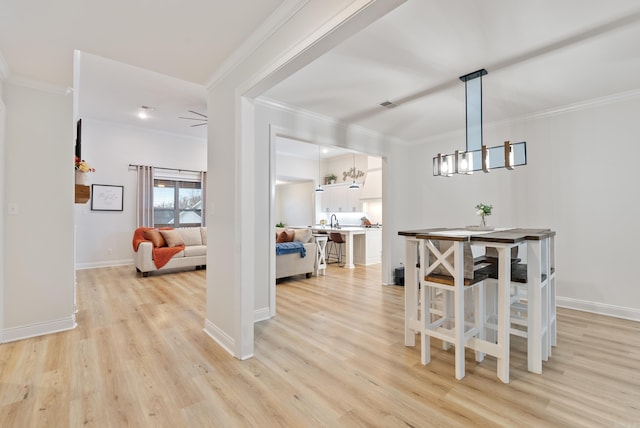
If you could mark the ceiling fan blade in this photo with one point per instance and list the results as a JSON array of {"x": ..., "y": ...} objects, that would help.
[
  {"x": 192, "y": 118},
  {"x": 199, "y": 114},
  {"x": 197, "y": 124}
]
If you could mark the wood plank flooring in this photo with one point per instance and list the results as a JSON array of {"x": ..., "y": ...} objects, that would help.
[{"x": 333, "y": 356}]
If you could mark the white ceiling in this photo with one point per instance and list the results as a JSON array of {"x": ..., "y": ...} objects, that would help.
[
  {"x": 188, "y": 40},
  {"x": 540, "y": 55},
  {"x": 113, "y": 91}
]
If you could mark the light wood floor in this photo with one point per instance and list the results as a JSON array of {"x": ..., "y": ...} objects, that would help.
[{"x": 334, "y": 356}]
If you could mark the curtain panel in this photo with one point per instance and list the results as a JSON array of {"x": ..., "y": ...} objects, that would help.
[{"x": 144, "y": 201}]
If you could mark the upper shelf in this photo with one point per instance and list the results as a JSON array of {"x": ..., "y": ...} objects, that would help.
[{"x": 83, "y": 194}]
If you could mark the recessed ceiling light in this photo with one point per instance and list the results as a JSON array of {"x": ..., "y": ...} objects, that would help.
[{"x": 143, "y": 112}]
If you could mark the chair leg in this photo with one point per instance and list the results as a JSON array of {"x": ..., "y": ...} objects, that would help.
[
  {"x": 479, "y": 316},
  {"x": 458, "y": 313},
  {"x": 425, "y": 339}
]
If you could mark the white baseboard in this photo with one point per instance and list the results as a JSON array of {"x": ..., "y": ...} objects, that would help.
[
  {"x": 222, "y": 339},
  {"x": 109, "y": 263},
  {"x": 599, "y": 308},
  {"x": 12, "y": 334},
  {"x": 261, "y": 314}
]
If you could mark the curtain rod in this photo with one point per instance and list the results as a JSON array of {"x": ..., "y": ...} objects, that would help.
[{"x": 131, "y": 165}]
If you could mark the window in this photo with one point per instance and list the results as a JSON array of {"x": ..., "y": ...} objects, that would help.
[{"x": 177, "y": 203}]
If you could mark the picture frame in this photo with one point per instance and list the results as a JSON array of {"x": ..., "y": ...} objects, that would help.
[{"x": 106, "y": 197}]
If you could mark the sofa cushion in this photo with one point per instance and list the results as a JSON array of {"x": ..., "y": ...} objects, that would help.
[
  {"x": 190, "y": 235},
  {"x": 172, "y": 238},
  {"x": 155, "y": 237},
  {"x": 195, "y": 250},
  {"x": 285, "y": 236},
  {"x": 203, "y": 232},
  {"x": 302, "y": 235}
]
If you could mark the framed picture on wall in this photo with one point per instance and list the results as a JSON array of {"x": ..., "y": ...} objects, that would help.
[{"x": 105, "y": 197}]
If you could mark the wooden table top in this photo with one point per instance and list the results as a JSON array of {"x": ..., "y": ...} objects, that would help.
[{"x": 509, "y": 236}]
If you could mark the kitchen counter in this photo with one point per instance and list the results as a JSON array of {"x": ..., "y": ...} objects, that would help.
[{"x": 348, "y": 233}]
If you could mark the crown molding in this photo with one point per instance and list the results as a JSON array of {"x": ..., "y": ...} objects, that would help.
[
  {"x": 5, "y": 71},
  {"x": 554, "y": 112},
  {"x": 38, "y": 85},
  {"x": 287, "y": 108},
  {"x": 584, "y": 105},
  {"x": 281, "y": 15}
]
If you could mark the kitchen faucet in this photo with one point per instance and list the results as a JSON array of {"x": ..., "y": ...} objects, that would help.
[{"x": 337, "y": 224}]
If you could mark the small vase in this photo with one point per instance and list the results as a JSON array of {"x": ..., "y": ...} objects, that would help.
[
  {"x": 483, "y": 221},
  {"x": 82, "y": 178}
]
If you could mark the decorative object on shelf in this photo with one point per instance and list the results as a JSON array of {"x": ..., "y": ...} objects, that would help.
[
  {"x": 477, "y": 155},
  {"x": 281, "y": 224},
  {"x": 106, "y": 197},
  {"x": 82, "y": 194},
  {"x": 354, "y": 174},
  {"x": 483, "y": 211},
  {"x": 330, "y": 179},
  {"x": 82, "y": 171}
]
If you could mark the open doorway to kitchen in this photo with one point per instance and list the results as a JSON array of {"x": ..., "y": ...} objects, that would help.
[{"x": 318, "y": 186}]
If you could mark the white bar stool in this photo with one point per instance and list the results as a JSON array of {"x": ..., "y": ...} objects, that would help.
[
  {"x": 321, "y": 257},
  {"x": 445, "y": 270}
]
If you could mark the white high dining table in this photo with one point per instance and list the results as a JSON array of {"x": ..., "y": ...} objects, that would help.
[{"x": 540, "y": 265}]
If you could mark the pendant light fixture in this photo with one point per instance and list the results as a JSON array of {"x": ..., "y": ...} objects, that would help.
[
  {"x": 354, "y": 185},
  {"x": 319, "y": 188},
  {"x": 477, "y": 156}
]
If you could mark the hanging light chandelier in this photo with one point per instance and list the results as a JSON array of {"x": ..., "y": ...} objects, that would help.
[
  {"x": 354, "y": 185},
  {"x": 477, "y": 156}
]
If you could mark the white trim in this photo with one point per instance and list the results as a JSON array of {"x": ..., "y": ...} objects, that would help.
[
  {"x": 287, "y": 108},
  {"x": 285, "y": 11},
  {"x": 261, "y": 314},
  {"x": 3, "y": 161},
  {"x": 5, "y": 71},
  {"x": 557, "y": 111},
  {"x": 39, "y": 329},
  {"x": 222, "y": 339},
  {"x": 27, "y": 82},
  {"x": 345, "y": 23},
  {"x": 274, "y": 131},
  {"x": 104, "y": 264},
  {"x": 587, "y": 104},
  {"x": 177, "y": 175},
  {"x": 599, "y": 308}
]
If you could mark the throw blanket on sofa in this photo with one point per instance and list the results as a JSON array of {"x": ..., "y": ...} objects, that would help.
[
  {"x": 290, "y": 247},
  {"x": 161, "y": 255}
]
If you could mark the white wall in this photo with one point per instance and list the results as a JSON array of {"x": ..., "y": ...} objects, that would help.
[
  {"x": 3, "y": 207},
  {"x": 576, "y": 182},
  {"x": 295, "y": 203},
  {"x": 341, "y": 164},
  {"x": 39, "y": 268},
  {"x": 288, "y": 167},
  {"x": 104, "y": 237}
]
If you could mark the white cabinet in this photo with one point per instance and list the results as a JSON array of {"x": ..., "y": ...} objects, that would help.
[
  {"x": 339, "y": 198},
  {"x": 367, "y": 248}
]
